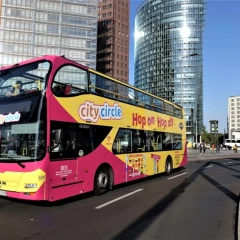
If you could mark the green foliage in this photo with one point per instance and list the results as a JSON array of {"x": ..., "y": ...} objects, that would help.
[
  {"x": 206, "y": 137},
  {"x": 216, "y": 138}
]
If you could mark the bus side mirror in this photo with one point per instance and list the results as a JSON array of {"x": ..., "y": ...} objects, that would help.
[{"x": 58, "y": 136}]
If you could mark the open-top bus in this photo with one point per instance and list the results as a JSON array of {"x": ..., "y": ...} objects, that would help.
[{"x": 66, "y": 129}]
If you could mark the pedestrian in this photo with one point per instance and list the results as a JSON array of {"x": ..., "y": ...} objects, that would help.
[
  {"x": 235, "y": 148},
  {"x": 213, "y": 147},
  {"x": 204, "y": 147},
  {"x": 218, "y": 149},
  {"x": 200, "y": 148}
]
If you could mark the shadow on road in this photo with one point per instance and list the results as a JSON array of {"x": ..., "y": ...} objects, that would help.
[{"x": 134, "y": 230}]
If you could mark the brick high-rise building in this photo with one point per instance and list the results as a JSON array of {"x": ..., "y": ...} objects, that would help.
[{"x": 113, "y": 38}]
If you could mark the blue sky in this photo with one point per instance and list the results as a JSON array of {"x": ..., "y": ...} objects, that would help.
[{"x": 221, "y": 57}]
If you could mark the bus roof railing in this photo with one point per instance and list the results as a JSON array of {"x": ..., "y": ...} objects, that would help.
[
  {"x": 134, "y": 88},
  {"x": 116, "y": 96}
]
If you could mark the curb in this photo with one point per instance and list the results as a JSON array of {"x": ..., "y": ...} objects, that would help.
[{"x": 210, "y": 156}]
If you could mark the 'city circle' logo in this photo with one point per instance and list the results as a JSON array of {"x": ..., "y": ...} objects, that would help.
[
  {"x": 92, "y": 112},
  {"x": 181, "y": 126}
]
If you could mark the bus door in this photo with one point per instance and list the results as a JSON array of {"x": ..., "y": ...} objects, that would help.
[{"x": 63, "y": 160}]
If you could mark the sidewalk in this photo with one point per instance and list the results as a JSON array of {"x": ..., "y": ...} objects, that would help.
[{"x": 193, "y": 155}]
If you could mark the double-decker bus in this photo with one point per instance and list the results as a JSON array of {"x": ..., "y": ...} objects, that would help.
[{"x": 66, "y": 129}]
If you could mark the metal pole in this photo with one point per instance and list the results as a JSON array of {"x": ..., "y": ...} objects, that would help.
[
  {"x": 181, "y": 81},
  {"x": 196, "y": 128}
]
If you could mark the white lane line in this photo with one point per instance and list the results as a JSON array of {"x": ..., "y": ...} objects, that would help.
[
  {"x": 209, "y": 166},
  {"x": 177, "y": 176},
  {"x": 117, "y": 199},
  {"x": 229, "y": 162},
  {"x": 238, "y": 227}
]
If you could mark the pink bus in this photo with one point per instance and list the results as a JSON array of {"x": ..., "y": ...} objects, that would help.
[{"x": 66, "y": 129}]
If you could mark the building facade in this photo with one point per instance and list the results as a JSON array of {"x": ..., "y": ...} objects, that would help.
[
  {"x": 31, "y": 28},
  {"x": 234, "y": 117},
  {"x": 113, "y": 38},
  {"x": 168, "y": 55}
]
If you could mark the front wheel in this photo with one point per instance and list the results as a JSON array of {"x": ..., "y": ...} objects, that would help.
[
  {"x": 101, "y": 184},
  {"x": 168, "y": 166}
]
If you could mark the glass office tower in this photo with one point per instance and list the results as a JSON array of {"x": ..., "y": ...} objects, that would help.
[
  {"x": 168, "y": 55},
  {"x": 31, "y": 28}
]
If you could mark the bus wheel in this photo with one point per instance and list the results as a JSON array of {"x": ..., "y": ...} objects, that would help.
[
  {"x": 102, "y": 179},
  {"x": 168, "y": 166}
]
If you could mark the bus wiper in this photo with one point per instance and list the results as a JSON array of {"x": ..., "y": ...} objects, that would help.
[{"x": 16, "y": 161}]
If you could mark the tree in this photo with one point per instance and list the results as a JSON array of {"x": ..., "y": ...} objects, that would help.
[{"x": 206, "y": 137}]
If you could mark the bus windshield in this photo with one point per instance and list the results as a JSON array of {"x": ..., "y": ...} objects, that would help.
[
  {"x": 26, "y": 79},
  {"x": 22, "y": 128},
  {"x": 23, "y": 112}
]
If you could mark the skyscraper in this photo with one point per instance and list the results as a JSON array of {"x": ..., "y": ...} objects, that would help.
[
  {"x": 31, "y": 28},
  {"x": 113, "y": 38},
  {"x": 168, "y": 55},
  {"x": 234, "y": 117}
]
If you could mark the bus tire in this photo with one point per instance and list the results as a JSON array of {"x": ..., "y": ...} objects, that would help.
[
  {"x": 168, "y": 166},
  {"x": 102, "y": 181}
]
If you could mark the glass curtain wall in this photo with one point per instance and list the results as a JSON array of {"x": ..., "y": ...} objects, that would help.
[
  {"x": 168, "y": 55},
  {"x": 31, "y": 28}
]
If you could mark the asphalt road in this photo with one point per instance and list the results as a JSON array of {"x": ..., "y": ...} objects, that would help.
[{"x": 198, "y": 202}]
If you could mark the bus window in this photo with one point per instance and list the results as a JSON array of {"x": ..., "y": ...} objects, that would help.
[
  {"x": 169, "y": 109},
  {"x": 103, "y": 86},
  {"x": 69, "y": 81},
  {"x": 177, "y": 142},
  {"x": 149, "y": 142},
  {"x": 123, "y": 142},
  {"x": 63, "y": 140},
  {"x": 76, "y": 140},
  {"x": 157, "y": 141},
  {"x": 168, "y": 141},
  {"x": 139, "y": 140}
]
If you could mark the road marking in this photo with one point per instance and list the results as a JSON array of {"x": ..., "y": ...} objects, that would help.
[
  {"x": 117, "y": 199},
  {"x": 207, "y": 166},
  {"x": 238, "y": 220},
  {"x": 177, "y": 176},
  {"x": 229, "y": 162}
]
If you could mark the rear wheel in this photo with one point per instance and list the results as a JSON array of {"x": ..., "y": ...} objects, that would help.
[
  {"x": 168, "y": 166},
  {"x": 101, "y": 184}
]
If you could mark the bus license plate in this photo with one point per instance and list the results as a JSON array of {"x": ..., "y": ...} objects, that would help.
[{"x": 3, "y": 193}]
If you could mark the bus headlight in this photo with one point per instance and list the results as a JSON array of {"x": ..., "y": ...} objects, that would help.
[{"x": 30, "y": 185}]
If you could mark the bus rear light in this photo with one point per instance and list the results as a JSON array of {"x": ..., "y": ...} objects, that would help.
[{"x": 30, "y": 193}]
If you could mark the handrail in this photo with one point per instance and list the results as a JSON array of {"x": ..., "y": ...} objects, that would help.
[{"x": 141, "y": 104}]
